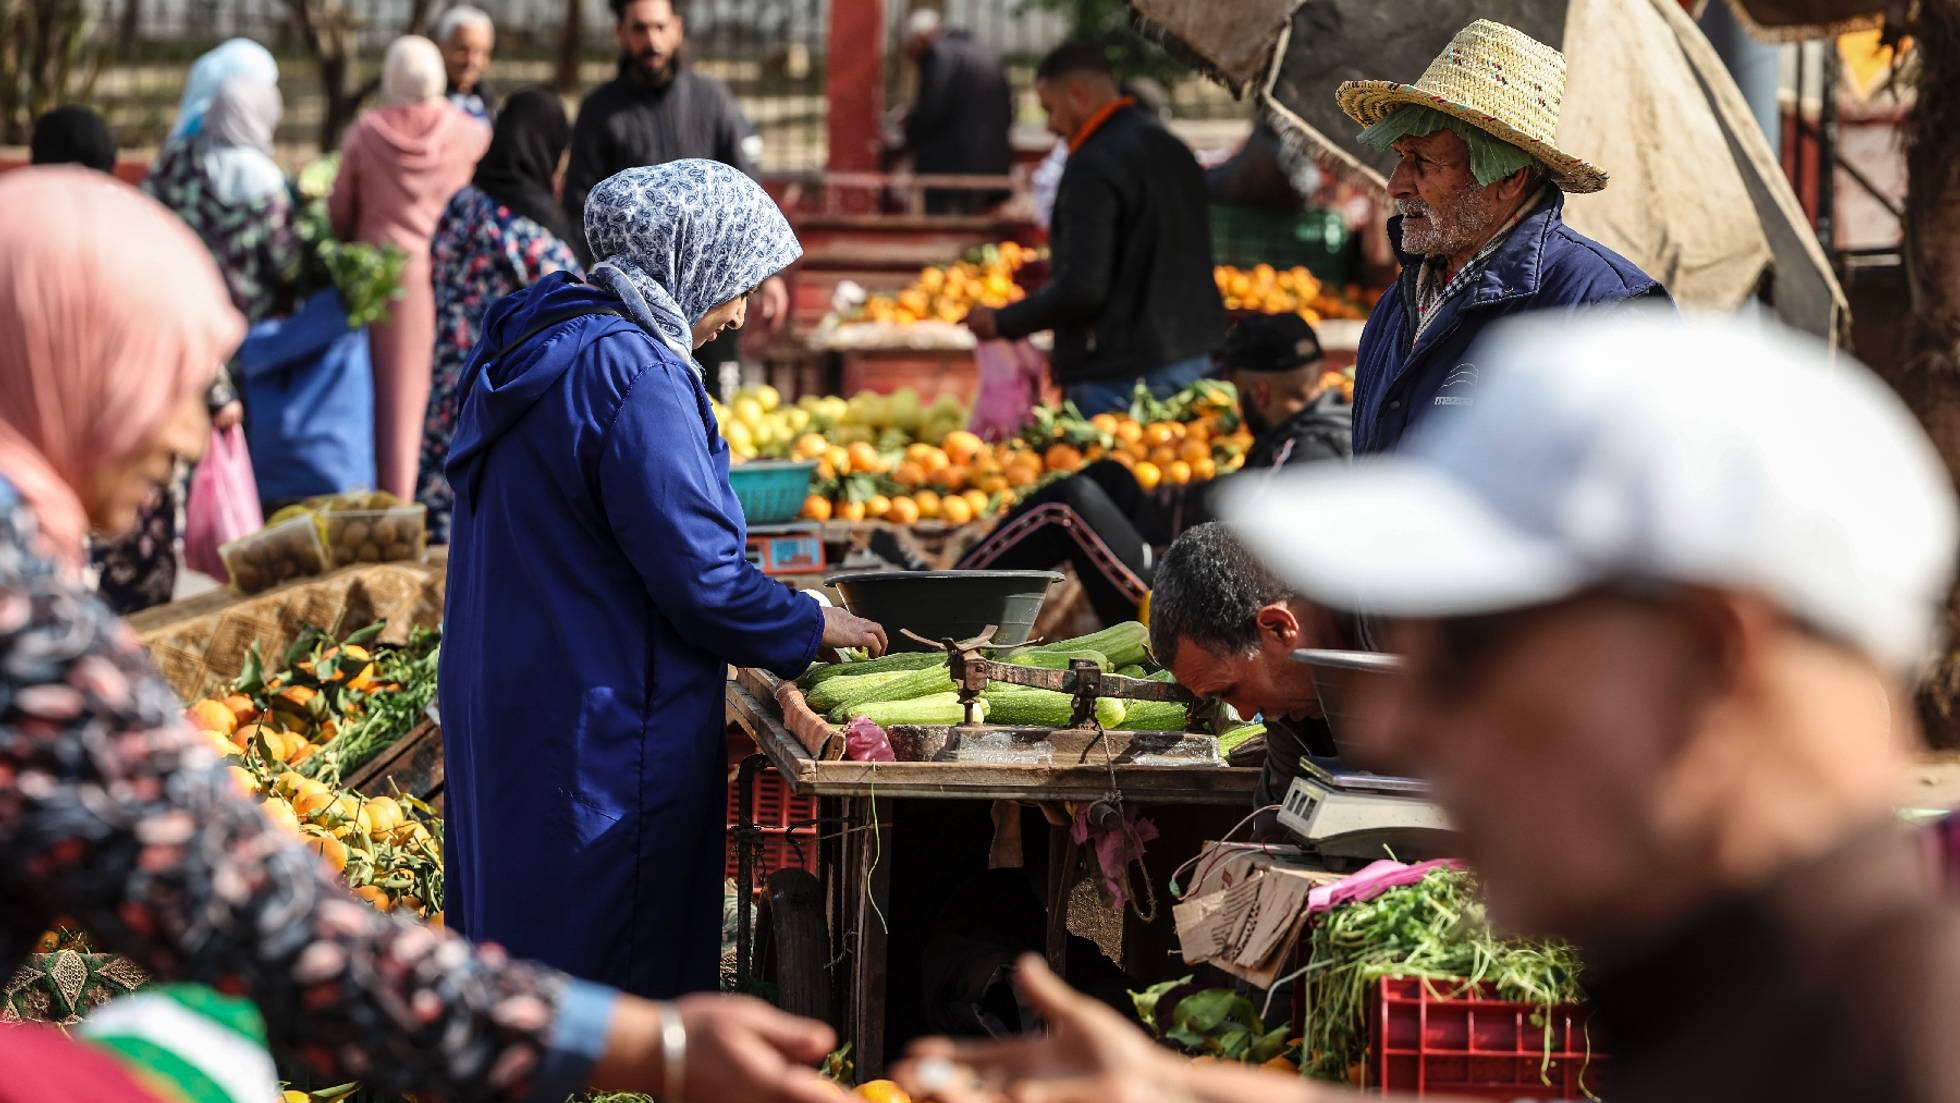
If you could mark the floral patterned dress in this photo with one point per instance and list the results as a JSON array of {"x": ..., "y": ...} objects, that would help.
[
  {"x": 480, "y": 253},
  {"x": 255, "y": 244},
  {"x": 114, "y": 814}
]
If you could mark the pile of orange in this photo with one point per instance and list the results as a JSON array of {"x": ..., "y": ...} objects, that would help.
[
  {"x": 946, "y": 293},
  {"x": 1268, "y": 290}
]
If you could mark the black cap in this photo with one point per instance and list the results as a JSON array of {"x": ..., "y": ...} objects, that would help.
[
  {"x": 1269, "y": 343},
  {"x": 73, "y": 135}
]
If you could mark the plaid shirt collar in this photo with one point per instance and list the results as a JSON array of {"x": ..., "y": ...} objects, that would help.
[{"x": 1433, "y": 291}]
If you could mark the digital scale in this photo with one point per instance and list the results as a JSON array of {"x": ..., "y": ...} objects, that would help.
[
  {"x": 1338, "y": 811},
  {"x": 791, "y": 549}
]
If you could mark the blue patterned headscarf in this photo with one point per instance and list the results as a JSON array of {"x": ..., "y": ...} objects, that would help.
[{"x": 679, "y": 239}]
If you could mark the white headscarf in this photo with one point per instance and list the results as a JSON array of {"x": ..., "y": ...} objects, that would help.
[
  {"x": 240, "y": 56},
  {"x": 235, "y": 145},
  {"x": 679, "y": 239},
  {"x": 413, "y": 71}
]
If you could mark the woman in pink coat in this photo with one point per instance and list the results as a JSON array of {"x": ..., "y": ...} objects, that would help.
[{"x": 399, "y": 166}]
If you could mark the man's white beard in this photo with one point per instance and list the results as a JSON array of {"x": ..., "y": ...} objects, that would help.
[{"x": 1465, "y": 226}]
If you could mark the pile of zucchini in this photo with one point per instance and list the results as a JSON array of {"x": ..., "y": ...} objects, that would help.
[{"x": 916, "y": 687}]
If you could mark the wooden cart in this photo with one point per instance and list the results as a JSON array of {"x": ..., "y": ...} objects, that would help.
[{"x": 842, "y": 935}]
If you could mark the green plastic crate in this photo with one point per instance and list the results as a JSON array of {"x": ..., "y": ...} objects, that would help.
[{"x": 1317, "y": 240}]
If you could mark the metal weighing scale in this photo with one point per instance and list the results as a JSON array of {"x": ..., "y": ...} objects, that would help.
[
  {"x": 792, "y": 549},
  {"x": 1337, "y": 811}
]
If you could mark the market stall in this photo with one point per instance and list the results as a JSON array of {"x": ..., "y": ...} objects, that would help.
[{"x": 830, "y": 937}]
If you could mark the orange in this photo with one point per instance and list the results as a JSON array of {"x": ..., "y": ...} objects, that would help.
[
  {"x": 904, "y": 511},
  {"x": 1062, "y": 457},
  {"x": 1163, "y": 455},
  {"x": 839, "y": 458},
  {"x": 882, "y": 1091},
  {"x": 864, "y": 458},
  {"x": 288, "y": 783},
  {"x": 979, "y": 500},
  {"x": 928, "y": 503},
  {"x": 1023, "y": 473},
  {"x": 952, "y": 478},
  {"x": 1093, "y": 452},
  {"x": 919, "y": 451},
  {"x": 1203, "y": 470},
  {"x": 242, "y": 708},
  {"x": 936, "y": 461},
  {"x": 245, "y": 780},
  {"x": 375, "y": 896},
  {"x": 850, "y": 511},
  {"x": 992, "y": 484},
  {"x": 962, "y": 446},
  {"x": 330, "y": 848},
  {"x": 824, "y": 471},
  {"x": 1128, "y": 431},
  {"x": 384, "y": 814},
  {"x": 1159, "y": 432},
  {"x": 213, "y": 716},
  {"x": 1148, "y": 474},
  {"x": 816, "y": 508},
  {"x": 220, "y": 744},
  {"x": 910, "y": 473},
  {"x": 956, "y": 510},
  {"x": 876, "y": 506},
  {"x": 811, "y": 445},
  {"x": 312, "y": 799},
  {"x": 1104, "y": 423},
  {"x": 1193, "y": 450},
  {"x": 281, "y": 813},
  {"x": 1178, "y": 473},
  {"x": 1124, "y": 458}
]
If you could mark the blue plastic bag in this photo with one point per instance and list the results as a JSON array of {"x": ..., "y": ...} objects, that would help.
[{"x": 309, "y": 402}]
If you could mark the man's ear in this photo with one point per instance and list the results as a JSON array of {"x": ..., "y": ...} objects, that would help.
[{"x": 1278, "y": 625}]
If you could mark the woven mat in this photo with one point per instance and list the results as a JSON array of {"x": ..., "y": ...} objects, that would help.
[
  {"x": 63, "y": 986},
  {"x": 201, "y": 644}
]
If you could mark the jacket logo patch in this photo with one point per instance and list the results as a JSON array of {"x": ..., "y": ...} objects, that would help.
[{"x": 1462, "y": 378}]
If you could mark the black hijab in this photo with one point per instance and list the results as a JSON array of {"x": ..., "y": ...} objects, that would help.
[
  {"x": 73, "y": 135},
  {"x": 530, "y": 136}
]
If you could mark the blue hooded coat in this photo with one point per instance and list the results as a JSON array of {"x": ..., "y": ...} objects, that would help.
[
  {"x": 598, "y": 590},
  {"x": 1543, "y": 265}
]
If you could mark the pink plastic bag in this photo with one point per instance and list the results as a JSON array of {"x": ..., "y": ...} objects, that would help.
[
  {"x": 224, "y": 503},
  {"x": 1010, "y": 382}
]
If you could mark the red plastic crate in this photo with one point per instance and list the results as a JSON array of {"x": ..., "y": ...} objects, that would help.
[
  {"x": 782, "y": 817},
  {"x": 1425, "y": 1043}
]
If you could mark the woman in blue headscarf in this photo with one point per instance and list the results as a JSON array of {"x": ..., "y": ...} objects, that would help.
[{"x": 598, "y": 591}]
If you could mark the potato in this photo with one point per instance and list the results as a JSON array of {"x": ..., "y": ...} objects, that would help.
[
  {"x": 369, "y": 552},
  {"x": 355, "y": 534}
]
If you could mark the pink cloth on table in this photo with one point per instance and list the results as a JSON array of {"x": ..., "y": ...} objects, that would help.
[
  {"x": 1372, "y": 881},
  {"x": 399, "y": 166},
  {"x": 1010, "y": 384}
]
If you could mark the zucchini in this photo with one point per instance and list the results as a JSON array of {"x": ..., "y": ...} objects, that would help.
[
  {"x": 932, "y": 709},
  {"x": 1123, "y": 644},
  {"x": 1059, "y": 660},
  {"x": 917, "y": 683},
  {"x": 1028, "y": 707},
  {"x": 1134, "y": 670},
  {"x": 826, "y": 694},
  {"x": 1232, "y": 740},
  {"x": 1155, "y": 716},
  {"x": 897, "y": 660}
]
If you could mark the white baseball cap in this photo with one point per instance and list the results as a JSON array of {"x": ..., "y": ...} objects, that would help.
[{"x": 1637, "y": 445}]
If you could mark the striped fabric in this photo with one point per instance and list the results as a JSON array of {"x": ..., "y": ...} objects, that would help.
[{"x": 188, "y": 1044}]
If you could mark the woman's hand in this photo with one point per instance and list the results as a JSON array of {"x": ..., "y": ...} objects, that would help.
[
  {"x": 737, "y": 1048},
  {"x": 774, "y": 294},
  {"x": 841, "y": 629}
]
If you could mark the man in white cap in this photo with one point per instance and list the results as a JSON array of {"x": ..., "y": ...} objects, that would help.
[
  {"x": 1657, "y": 670},
  {"x": 1478, "y": 193}
]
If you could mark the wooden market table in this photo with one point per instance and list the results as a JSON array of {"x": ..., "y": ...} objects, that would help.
[{"x": 858, "y": 835}]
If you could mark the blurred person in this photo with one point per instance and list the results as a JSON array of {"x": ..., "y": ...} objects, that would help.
[
  {"x": 1479, "y": 195},
  {"x": 1130, "y": 296},
  {"x": 233, "y": 58},
  {"x": 116, "y": 815},
  {"x": 467, "y": 35},
  {"x": 1109, "y": 525},
  {"x": 400, "y": 164},
  {"x": 587, "y": 778},
  {"x": 503, "y": 232},
  {"x": 660, "y": 109},
  {"x": 960, "y": 120},
  {"x": 72, "y": 135},
  {"x": 1660, "y": 684}
]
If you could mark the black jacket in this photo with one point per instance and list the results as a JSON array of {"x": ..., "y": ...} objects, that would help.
[
  {"x": 1131, "y": 288},
  {"x": 959, "y": 124},
  {"x": 1322, "y": 431},
  {"x": 626, "y": 122}
]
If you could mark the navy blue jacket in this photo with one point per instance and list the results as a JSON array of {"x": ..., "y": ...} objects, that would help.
[
  {"x": 598, "y": 590},
  {"x": 1543, "y": 265}
]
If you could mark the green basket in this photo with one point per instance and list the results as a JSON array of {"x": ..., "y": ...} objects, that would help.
[
  {"x": 1316, "y": 240},
  {"x": 771, "y": 491}
]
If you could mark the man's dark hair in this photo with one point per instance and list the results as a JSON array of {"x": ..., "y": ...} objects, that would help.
[
  {"x": 679, "y": 8},
  {"x": 1209, "y": 590},
  {"x": 1075, "y": 59}
]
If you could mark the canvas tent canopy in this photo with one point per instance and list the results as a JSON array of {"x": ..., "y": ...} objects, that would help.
[{"x": 1646, "y": 99}]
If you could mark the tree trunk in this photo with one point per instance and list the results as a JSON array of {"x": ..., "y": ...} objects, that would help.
[
  {"x": 571, "y": 48},
  {"x": 1930, "y": 378}
]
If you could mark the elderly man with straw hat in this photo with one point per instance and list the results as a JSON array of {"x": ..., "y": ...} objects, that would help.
[{"x": 1478, "y": 194}]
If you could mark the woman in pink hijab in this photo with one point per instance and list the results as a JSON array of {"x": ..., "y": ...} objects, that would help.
[
  {"x": 113, "y": 319},
  {"x": 399, "y": 166}
]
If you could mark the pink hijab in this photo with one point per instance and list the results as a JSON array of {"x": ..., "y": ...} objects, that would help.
[{"x": 111, "y": 314}]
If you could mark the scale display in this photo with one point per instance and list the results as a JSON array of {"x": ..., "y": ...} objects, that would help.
[{"x": 787, "y": 550}]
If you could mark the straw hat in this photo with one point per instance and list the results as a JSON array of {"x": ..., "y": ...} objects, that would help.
[{"x": 1499, "y": 80}]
